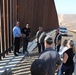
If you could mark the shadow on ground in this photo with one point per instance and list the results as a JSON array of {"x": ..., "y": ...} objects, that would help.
[{"x": 23, "y": 68}]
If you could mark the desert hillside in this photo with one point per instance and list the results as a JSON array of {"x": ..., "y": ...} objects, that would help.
[{"x": 67, "y": 20}]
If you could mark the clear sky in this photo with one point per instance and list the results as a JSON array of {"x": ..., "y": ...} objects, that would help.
[{"x": 65, "y": 6}]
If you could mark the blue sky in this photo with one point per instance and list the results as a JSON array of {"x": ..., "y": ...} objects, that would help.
[{"x": 65, "y": 6}]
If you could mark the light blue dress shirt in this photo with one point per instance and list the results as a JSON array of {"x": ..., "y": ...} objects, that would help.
[{"x": 16, "y": 31}]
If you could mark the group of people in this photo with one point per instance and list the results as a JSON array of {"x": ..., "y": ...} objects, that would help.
[
  {"x": 50, "y": 57},
  {"x": 17, "y": 34},
  {"x": 66, "y": 52},
  {"x": 51, "y": 60}
]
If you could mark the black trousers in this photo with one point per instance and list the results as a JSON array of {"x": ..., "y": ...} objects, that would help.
[
  {"x": 42, "y": 46},
  {"x": 17, "y": 44},
  {"x": 39, "y": 47},
  {"x": 58, "y": 48},
  {"x": 25, "y": 44}
]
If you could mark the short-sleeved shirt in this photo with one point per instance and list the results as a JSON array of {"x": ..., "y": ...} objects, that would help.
[
  {"x": 38, "y": 35},
  {"x": 52, "y": 58},
  {"x": 26, "y": 31},
  {"x": 16, "y": 31}
]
